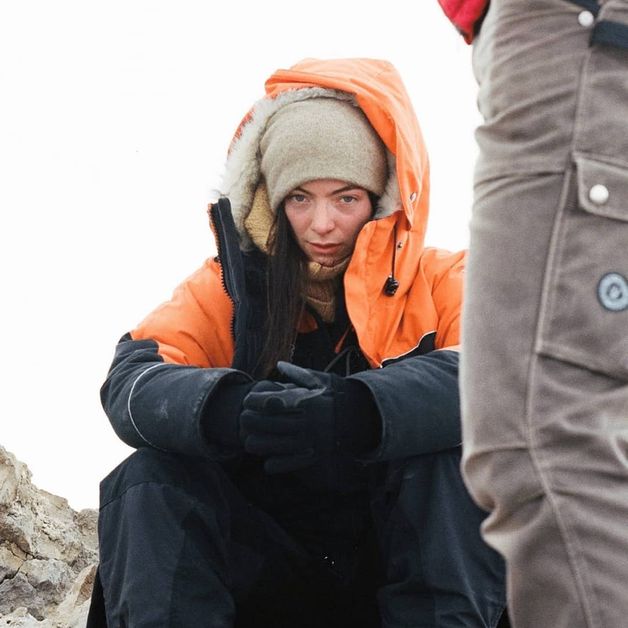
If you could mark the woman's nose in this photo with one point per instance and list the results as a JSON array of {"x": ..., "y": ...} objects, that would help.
[{"x": 322, "y": 219}]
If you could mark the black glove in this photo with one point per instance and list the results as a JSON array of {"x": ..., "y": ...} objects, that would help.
[{"x": 315, "y": 415}]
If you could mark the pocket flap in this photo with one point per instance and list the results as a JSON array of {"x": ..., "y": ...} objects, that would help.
[{"x": 602, "y": 188}]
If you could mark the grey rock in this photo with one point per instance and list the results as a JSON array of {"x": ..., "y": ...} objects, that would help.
[{"x": 48, "y": 553}]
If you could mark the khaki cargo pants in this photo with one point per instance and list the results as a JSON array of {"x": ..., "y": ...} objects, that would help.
[{"x": 545, "y": 333}]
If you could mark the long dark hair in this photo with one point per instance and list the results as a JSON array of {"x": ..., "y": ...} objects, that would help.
[
  {"x": 285, "y": 283},
  {"x": 286, "y": 277}
]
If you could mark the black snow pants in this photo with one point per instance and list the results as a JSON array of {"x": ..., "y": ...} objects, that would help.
[{"x": 183, "y": 543}]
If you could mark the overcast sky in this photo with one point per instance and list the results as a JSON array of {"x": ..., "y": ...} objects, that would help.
[{"x": 115, "y": 118}]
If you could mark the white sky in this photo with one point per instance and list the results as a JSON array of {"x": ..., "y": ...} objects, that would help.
[{"x": 115, "y": 118}]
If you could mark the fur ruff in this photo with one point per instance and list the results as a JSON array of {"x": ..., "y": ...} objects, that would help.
[{"x": 242, "y": 169}]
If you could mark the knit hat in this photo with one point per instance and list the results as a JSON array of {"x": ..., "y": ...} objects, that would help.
[{"x": 321, "y": 138}]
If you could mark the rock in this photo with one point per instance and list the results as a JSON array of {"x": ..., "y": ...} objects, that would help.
[
  {"x": 48, "y": 553},
  {"x": 10, "y": 561}
]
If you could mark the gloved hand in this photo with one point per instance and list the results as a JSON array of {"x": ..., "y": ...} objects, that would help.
[{"x": 307, "y": 420}]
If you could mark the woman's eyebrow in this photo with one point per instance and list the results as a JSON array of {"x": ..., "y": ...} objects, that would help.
[{"x": 346, "y": 188}]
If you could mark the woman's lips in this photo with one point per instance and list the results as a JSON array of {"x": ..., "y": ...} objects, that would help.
[{"x": 323, "y": 248}]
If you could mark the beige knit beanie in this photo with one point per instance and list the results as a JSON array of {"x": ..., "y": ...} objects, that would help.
[{"x": 321, "y": 138}]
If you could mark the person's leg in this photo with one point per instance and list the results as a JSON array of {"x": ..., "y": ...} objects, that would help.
[
  {"x": 544, "y": 363},
  {"x": 179, "y": 546},
  {"x": 439, "y": 573}
]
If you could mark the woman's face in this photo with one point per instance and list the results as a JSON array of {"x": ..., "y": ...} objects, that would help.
[{"x": 326, "y": 216}]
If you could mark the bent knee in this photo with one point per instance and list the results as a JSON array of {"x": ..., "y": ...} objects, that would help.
[
  {"x": 148, "y": 465},
  {"x": 437, "y": 466},
  {"x": 505, "y": 478}
]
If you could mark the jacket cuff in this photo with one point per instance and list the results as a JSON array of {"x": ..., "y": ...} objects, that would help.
[
  {"x": 220, "y": 416},
  {"x": 358, "y": 424}
]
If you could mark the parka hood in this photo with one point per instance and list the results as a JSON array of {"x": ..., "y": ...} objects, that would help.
[{"x": 374, "y": 86}]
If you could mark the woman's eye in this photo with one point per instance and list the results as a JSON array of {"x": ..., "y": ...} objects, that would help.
[
  {"x": 297, "y": 198},
  {"x": 348, "y": 199}
]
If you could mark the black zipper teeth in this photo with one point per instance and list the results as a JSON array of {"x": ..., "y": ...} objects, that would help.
[{"x": 226, "y": 279}]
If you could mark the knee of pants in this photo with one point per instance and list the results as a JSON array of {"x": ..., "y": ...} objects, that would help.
[
  {"x": 163, "y": 529},
  {"x": 501, "y": 479},
  {"x": 422, "y": 473},
  {"x": 195, "y": 476}
]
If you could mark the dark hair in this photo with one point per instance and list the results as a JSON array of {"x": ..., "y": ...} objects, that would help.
[
  {"x": 285, "y": 283},
  {"x": 286, "y": 277}
]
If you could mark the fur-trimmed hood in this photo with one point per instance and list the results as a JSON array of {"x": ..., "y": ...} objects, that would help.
[{"x": 370, "y": 84}]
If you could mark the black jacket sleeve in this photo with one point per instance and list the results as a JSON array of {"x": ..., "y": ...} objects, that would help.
[
  {"x": 166, "y": 406},
  {"x": 418, "y": 403}
]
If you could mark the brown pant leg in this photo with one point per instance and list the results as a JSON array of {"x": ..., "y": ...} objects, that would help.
[{"x": 545, "y": 335}]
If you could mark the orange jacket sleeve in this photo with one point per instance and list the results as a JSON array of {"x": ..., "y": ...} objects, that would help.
[
  {"x": 445, "y": 271},
  {"x": 194, "y": 327}
]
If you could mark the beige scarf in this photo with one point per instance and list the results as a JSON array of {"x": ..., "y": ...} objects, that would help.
[{"x": 324, "y": 281}]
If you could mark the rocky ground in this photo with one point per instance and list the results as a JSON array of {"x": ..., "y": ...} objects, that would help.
[{"x": 48, "y": 554}]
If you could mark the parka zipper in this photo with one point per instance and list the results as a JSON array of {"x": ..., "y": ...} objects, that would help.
[{"x": 231, "y": 271}]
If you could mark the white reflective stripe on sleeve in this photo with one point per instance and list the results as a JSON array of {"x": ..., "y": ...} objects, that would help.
[{"x": 128, "y": 404}]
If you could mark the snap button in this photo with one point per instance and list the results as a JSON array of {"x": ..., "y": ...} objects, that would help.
[
  {"x": 586, "y": 19},
  {"x": 599, "y": 194},
  {"x": 413, "y": 197},
  {"x": 612, "y": 291}
]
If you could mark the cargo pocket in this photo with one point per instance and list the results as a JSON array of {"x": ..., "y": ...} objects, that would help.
[{"x": 584, "y": 319}]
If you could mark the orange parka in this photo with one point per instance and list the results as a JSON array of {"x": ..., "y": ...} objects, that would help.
[{"x": 159, "y": 388}]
